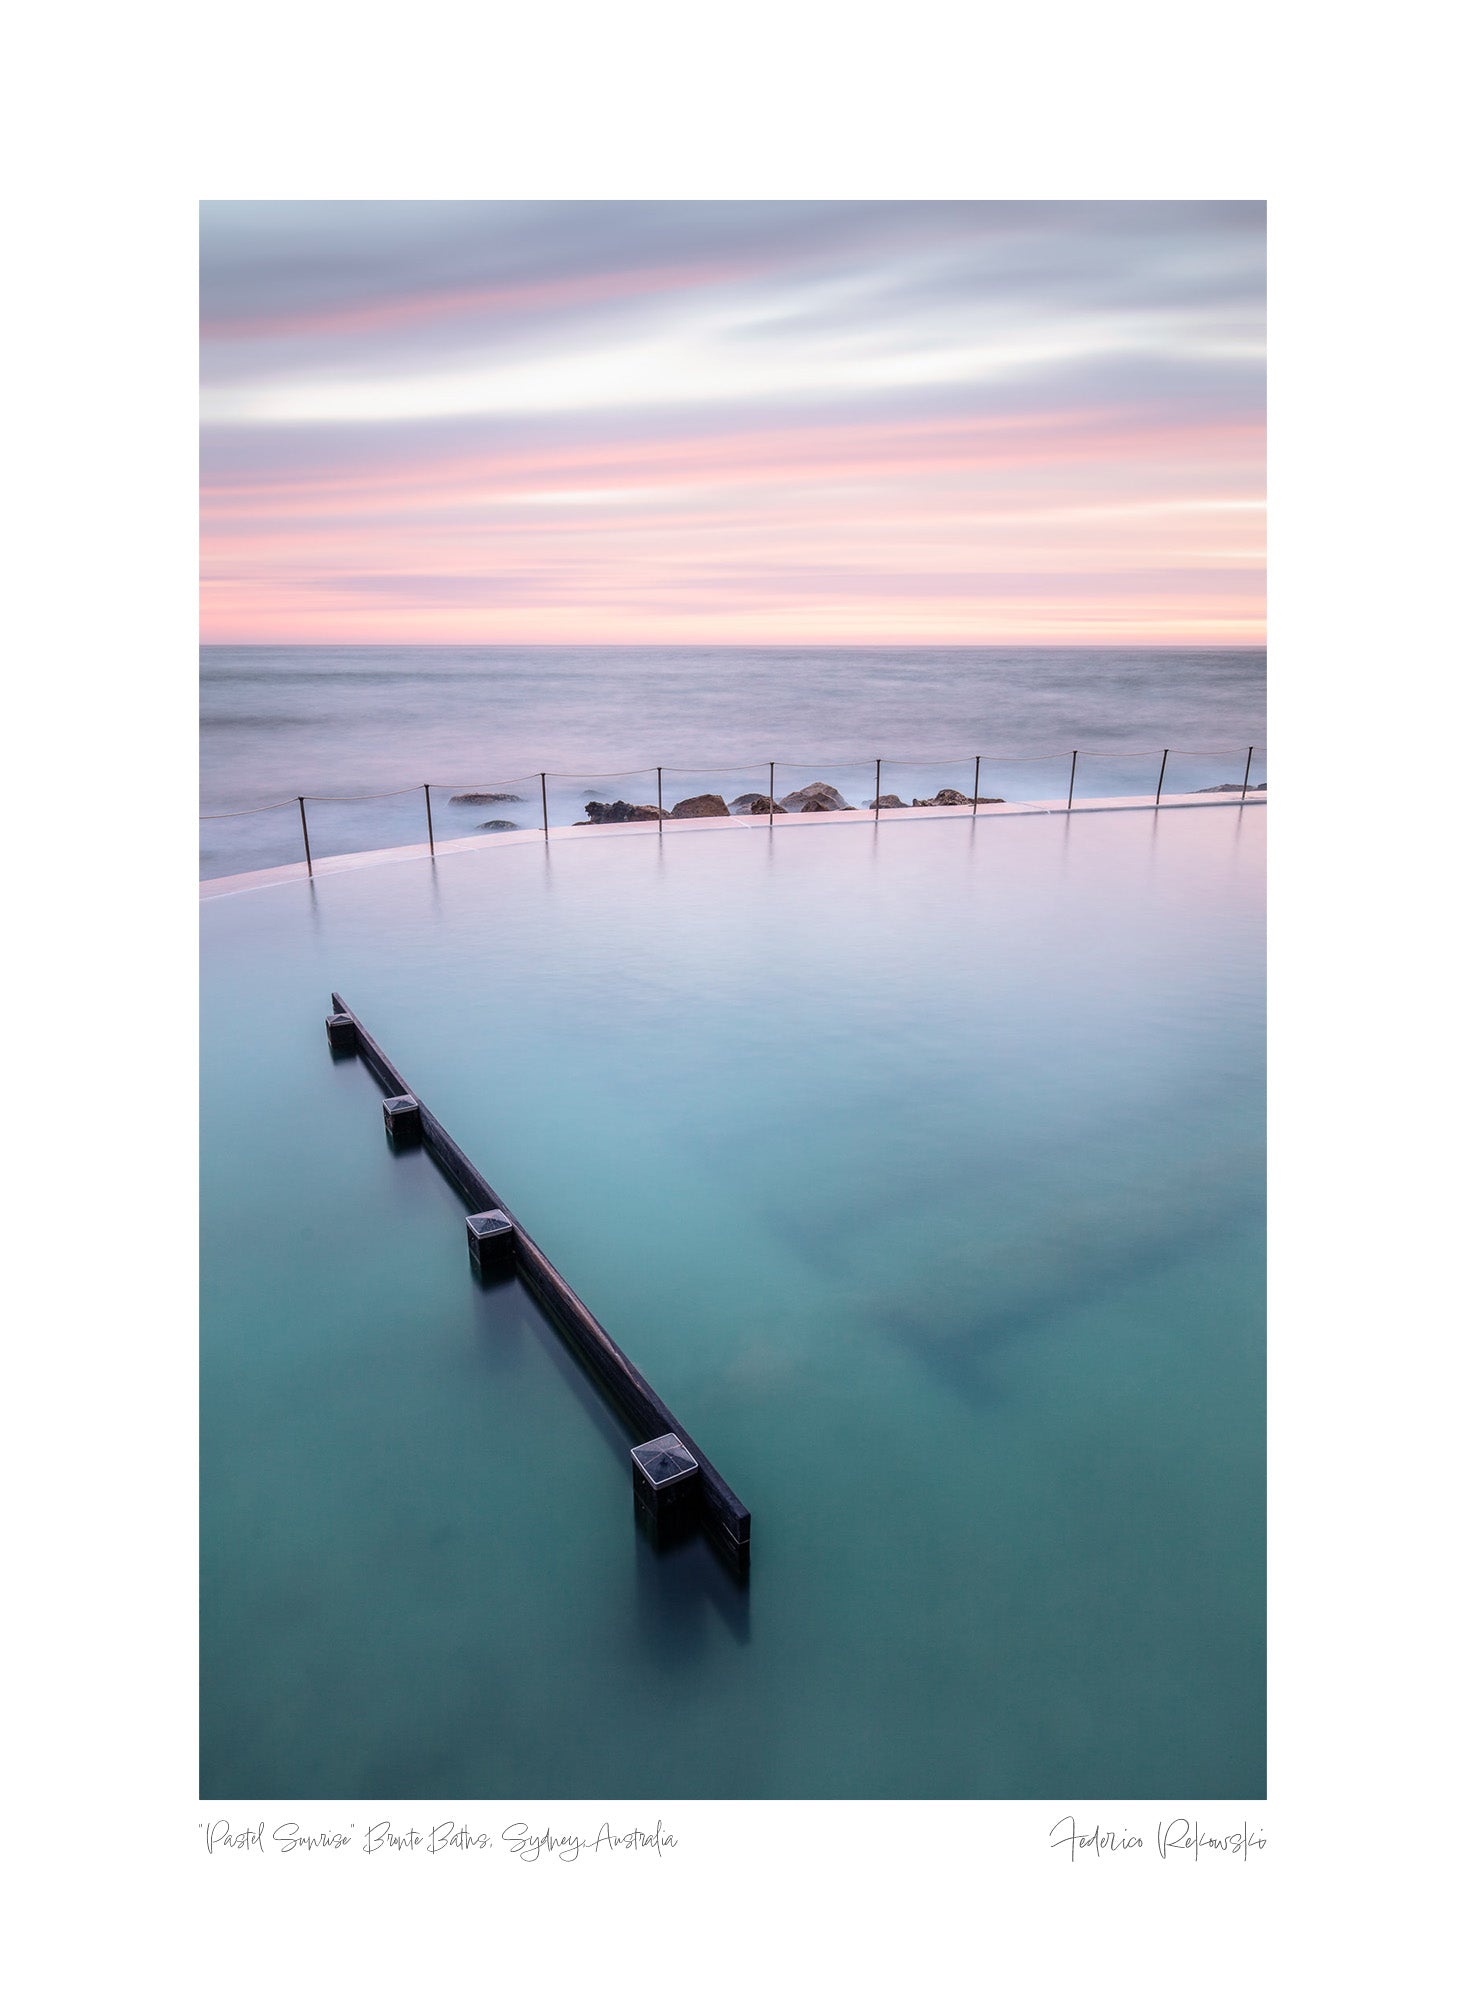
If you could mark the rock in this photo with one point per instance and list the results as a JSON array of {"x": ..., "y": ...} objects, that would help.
[
  {"x": 885, "y": 801},
  {"x": 707, "y": 805},
  {"x": 604, "y": 815},
  {"x": 754, "y": 803},
  {"x": 1235, "y": 788},
  {"x": 498, "y": 826},
  {"x": 947, "y": 797},
  {"x": 819, "y": 806},
  {"x": 486, "y": 799},
  {"x": 829, "y": 799}
]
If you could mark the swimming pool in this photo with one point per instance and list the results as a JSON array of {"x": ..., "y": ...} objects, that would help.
[{"x": 918, "y": 1166}]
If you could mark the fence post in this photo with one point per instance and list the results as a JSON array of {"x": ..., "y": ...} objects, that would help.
[
  {"x": 305, "y": 835},
  {"x": 1247, "y": 773},
  {"x": 428, "y": 800},
  {"x": 659, "y": 795},
  {"x": 1073, "y": 766},
  {"x": 771, "y": 798},
  {"x": 878, "y": 787},
  {"x": 976, "y": 787},
  {"x": 544, "y": 806},
  {"x": 1162, "y": 778}
]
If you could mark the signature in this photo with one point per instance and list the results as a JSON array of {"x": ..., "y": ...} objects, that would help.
[{"x": 1173, "y": 1838}]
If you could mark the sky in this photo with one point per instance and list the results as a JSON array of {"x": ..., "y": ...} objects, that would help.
[{"x": 739, "y": 423}]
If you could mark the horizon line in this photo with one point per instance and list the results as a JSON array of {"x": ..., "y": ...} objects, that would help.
[{"x": 756, "y": 646}]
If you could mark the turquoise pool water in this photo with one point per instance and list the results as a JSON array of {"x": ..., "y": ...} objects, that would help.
[{"x": 919, "y": 1167}]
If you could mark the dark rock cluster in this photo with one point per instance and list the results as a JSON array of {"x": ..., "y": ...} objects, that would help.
[
  {"x": 818, "y": 797},
  {"x": 947, "y": 797},
  {"x": 598, "y": 814}
]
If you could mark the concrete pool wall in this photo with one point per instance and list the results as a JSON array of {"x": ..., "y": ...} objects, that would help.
[{"x": 340, "y": 864}]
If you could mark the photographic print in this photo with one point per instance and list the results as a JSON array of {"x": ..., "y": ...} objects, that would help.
[{"x": 734, "y": 786}]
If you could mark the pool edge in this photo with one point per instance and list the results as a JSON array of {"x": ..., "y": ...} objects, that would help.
[{"x": 343, "y": 864}]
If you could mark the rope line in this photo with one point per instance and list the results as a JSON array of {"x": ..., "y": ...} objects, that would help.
[
  {"x": 736, "y": 768},
  {"x": 243, "y": 812},
  {"x": 482, "y": 784},
  {"x": 641, "y": 771},
  {"x": 355, "y": 798}
]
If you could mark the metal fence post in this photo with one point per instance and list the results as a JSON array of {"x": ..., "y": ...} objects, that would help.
[
  {"x": 428, "y": 800},
  {"x": 1073, "y": 767},
  {"x": 544, "y": 806},
  {"x": 1247, "y": 773},
  {"x": 976, "y": 787},
  {"x": 771, "y": 798},
  {"x": 1162, "y": 778},
  {"x": 878, "y": 788},
  {"x": 305, "y": 835}
]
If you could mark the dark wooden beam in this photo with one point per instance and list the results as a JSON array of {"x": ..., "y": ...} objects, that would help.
[{"x": 725, "y": 1519}]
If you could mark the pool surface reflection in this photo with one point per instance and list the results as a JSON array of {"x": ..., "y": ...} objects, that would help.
[{"x": 919, "y": 1168}]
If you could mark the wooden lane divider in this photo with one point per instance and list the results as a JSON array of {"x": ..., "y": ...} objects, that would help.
[{"x": 672, "y": 1478}]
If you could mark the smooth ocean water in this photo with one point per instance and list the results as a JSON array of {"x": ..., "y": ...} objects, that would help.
[
  {"x": 920, "y": 1167},
  {"x": 343, "y": 720}
]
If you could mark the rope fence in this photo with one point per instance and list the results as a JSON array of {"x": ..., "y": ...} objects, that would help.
[
  {"x": 245, "y": 811},
  {"x": 757, "y": 804}
]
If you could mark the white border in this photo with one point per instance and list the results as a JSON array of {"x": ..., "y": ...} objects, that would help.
[{"x": 121, "y": 120}]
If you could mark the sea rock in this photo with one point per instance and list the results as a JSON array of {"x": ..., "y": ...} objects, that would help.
[
  {"x": 707, "y": 805},
  {"x": 598, "y": 814},
  {"x": 1235, "y": 788},
  {"x": 486, "y": 799},
  {"x": 819, "y": 806},
  {"x": 754, "y": 803},
  {"x": 829, "y": 799},
  {"x": 947, "y": 797},
  {"x": 886, "y": 801},
  {"x": 498, "y": 825}
]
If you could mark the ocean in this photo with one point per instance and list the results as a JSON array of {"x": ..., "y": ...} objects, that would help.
[{"x": 338, "y": 722}]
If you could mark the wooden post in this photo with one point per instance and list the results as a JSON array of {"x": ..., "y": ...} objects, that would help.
[
  {"x": 1073, "y": 765},
  {"x": 771, "y": 798},
  {"x": 544, "y": 806},
  {"x": 400, "y": 1116},
  {"x": 878, "y": 787},
  {"x": 1162, "y": 778},
  {"x": 1247, "y": 773},
  {"x": 428, "y": 797},
  {"x": 665, "y": 1478},
  {"x": 491, "y": 1242},
  {"x": 976, "y": 787},
  {"x": 305, "y": 835},
  {"x": 341, "y": 1033}
]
